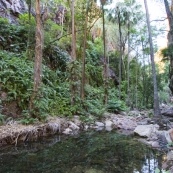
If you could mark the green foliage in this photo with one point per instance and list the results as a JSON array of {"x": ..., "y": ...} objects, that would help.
[
  {"x": 16, "y": 78},
  {"x": 94, "y": 100},
  {"x": 51, "y": 31},
  {"x": 2, "y": 119},
  {"x": 157, "y": 170},
  {"x": 27, "y": 119},
  {"x": 12, "y": 37},
  {"x": 98, "y": 45},
  {"x": 116, "y": 106},
  {"x": 56, "y": 58},
  {"x": 167, "y": 52}
]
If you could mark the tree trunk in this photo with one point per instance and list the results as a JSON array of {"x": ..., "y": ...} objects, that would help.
[
  {"x": 38, "y": 54},
  {"x": 105, "y": 59},
  {"x": 28, "y": 49},
  {"x": 128, "y": 66},
  {"x": 121, "y": 55},
  {"x": 84, "y": 53},
  {"x": 156, "y": 98},
  {"x": 73, "y": 32},
  {"x": 170, "y": 41},
  {"x": 143, "y": 76},
  {"x": 73, "y": 54}
]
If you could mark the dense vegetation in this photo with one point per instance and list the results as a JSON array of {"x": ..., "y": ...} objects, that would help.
[{"x": 133, "y": 89}]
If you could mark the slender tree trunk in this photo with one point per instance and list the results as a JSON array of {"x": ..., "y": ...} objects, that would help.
[
  {"x": 128, "y": 67},
  {"x": 105, "y": 59},
  {"x": 28, "y": 51},
  {"x": 121, "y": 55},
  {"x": 136, "y": 88},
  {"x": 156, "y": 98},
  {"x": 38, "y": 54},
  {"x": 144, "y": 76},
  {"x": 73, "y": 55},
  {"x": 73, "y": 32},
  {"x": 84, "y": 53},
  {"x": 62, "y": 22}
]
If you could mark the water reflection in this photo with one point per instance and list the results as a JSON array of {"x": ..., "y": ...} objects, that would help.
[{"x": 90, "y": 152}]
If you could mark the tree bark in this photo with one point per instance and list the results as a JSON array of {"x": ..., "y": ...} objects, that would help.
[
  {"x": 38, "y": 53},
  {"x": 121, "y": 54},
  {"x": 105, "y": 59},
  {"x": 73, "y": 32},
  {"x": 73, "y": 54},
  {"x": 156, "y": 98},
  {"x": 84, "y": 53},
  {"x": 128, "y": 66}
]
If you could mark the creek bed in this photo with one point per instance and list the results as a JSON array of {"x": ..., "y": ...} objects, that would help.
[{"x": 87, "y": 152}]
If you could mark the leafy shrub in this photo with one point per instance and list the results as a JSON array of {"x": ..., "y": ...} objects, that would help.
[
  {"x": 114, "y": 104},
  {"x": 16, "y": 78},
  {"x": 12, "y": 37}
]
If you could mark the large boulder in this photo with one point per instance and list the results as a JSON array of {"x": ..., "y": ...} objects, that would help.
[{"x": 146, "y": 130}]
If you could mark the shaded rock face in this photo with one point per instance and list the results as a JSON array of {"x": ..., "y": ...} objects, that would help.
[
  {"x": 11, "y": 9},
  {"x": 59, "y": 15}
]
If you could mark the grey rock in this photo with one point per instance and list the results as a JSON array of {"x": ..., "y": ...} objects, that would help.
[{"x": 100, "y": 124}]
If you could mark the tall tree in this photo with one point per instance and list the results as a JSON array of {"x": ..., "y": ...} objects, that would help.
[
  {"x": 73, "y": 54},
  {"x": 38, "y": 53},
  {"x": 156, "y": 98},
  {"x": 84, "y": 53},
  {"x": 105, "y": 56},
  {"x": 121, "y": 51}
]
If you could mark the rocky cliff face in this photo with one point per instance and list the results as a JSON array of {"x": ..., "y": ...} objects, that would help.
[{"x": 12, "y": 8}]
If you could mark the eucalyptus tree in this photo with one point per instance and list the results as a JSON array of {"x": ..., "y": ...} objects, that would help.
[
  {"x": 105, "y": 58},
  {"x": 156, "y": 98},
  {"x": 103, "y": 3},
  {"x": 28, "y": 51},
  {"x": 84, "y": 53},
  {"x": 38, "y": 53},
  {"x": 73, "y": 53}
]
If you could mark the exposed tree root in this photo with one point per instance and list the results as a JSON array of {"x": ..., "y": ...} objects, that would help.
[{"x": 12, "y": 134}]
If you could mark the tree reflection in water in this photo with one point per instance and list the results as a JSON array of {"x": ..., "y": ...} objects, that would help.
[{"x": 90, "y": 152}]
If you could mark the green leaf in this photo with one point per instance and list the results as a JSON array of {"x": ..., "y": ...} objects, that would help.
[{"x": 157, "y": 170}]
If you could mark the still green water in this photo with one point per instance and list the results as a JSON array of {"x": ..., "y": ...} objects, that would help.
[{"x": 89, "y": 152}]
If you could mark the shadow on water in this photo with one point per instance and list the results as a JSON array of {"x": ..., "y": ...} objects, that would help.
[{"x": 89, "y": 152}]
